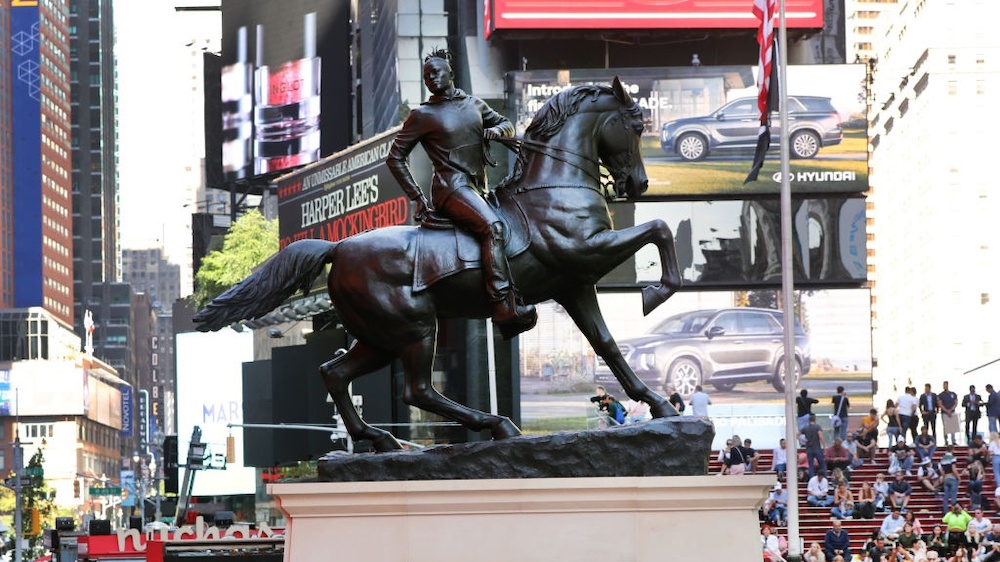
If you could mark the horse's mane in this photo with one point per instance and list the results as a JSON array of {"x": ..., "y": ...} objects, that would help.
[
  {"x": 552, "y": 116},
  {"x": 550, "y": 119}
]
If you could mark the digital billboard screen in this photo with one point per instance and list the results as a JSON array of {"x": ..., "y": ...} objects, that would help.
[
  {"x": 210, "y": 396},
  {"x": 736, "y": 243},
  {"x": 285, "y": 85},
  {"x": 703, "y": 126},
  {"x": 639, "y": 14},
  {"x": 560, "y": 372}
]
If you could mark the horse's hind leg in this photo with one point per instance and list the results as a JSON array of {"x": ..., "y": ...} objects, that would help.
[
  {"x": 581, "y": 304},
  {"x": 338, "y": 373},
  {"x": 418, "y": 358}
]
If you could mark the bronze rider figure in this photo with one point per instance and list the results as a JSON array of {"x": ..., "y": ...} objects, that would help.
[{"x": 453, "y": 127}]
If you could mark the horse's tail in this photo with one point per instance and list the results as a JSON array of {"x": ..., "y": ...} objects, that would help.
[{"x": 292, "y": 269}]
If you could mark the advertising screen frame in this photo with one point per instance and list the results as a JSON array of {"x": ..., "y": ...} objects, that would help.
[
  {"x": 559, "y": 368},
  {"x": 680, "y": 95},
  {"x": 285, "y": 96},
  {"x": 736, "y": 243},
  {"x": 210, "y": 384},
  {"x": 639, "y": 14}
]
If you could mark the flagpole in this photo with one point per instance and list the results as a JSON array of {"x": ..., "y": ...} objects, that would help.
[{"x": 787, "y": 288}]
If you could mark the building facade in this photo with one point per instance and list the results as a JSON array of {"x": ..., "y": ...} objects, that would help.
[
  {"x": 40, "y": 110},
  {"x": 934, "y": 247}
]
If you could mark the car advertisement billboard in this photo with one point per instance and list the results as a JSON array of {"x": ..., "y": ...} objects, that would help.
[
  {"x": 210, "y": 396},
  {"x": 676, "y": 345},
  {"x": 639, "y": 14},
  {"x": 737, "y": 243},
  {"x": 703, "y": 126},
  {"x": 285, "y": 85},
  {"x": 347, "y": 193}
]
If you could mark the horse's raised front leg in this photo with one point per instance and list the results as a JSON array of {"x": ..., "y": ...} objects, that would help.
[
  {"x": 418, "y": 360},
  {"x": 612, "y": 247},
  {"x": 581, "y": 304},
  {"x": 338, "y": 373}
]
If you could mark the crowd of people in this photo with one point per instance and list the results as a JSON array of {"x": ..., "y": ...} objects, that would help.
[{"x": 960, "y": 532}]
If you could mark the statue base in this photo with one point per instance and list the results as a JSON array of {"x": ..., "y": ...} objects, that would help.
[
  {"x": 635, "y": 519},
  {"x": 675, "y": 446}
]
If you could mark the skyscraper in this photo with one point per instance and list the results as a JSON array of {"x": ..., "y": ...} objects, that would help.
[
  {"x": 96, "y": 254},
  {"x": 40, "y": 116}
]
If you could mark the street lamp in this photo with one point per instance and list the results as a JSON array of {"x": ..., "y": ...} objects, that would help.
[{"x": 140, "y": 468}]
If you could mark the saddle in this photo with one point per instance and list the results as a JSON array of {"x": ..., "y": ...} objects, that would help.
[{"x": 442, "y": 249}]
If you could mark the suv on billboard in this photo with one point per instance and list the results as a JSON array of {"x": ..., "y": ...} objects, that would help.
[
  {"x": 721, "y": 347},
  {"x": 814, "y": 123}
]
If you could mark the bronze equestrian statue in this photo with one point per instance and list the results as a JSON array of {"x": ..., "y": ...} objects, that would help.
[
  {"x": 560, "y": 242},
  {"x": 453, "y": 128}
]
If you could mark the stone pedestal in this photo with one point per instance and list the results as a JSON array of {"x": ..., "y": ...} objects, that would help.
[{"x": 604, "y": 519}]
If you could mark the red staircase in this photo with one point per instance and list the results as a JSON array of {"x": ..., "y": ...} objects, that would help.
[{"x": 815, "y": 521}]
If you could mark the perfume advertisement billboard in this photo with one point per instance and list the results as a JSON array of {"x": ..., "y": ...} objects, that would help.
[
  {"x": 702, "y": 126},
  {"x": 347, "y": 193},
  {"x": 639, "y": 14},
  {"x": 285, "y": 84}
]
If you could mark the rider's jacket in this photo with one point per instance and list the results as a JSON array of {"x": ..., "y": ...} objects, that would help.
[{"x": 451, "y": 132}]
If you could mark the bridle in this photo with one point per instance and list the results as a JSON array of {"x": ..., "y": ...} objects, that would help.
[{"x": 610, "y": 184}]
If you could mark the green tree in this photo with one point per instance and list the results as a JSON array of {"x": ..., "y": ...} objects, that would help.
[
  {"x": 39, "y": 495},
  {"x": 250, "y": 240}
]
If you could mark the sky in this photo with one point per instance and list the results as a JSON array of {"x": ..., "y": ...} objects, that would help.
[{"x": 158, "y": 152}]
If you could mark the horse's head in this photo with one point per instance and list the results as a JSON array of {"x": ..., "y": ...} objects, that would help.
[
  {"x": 618, "y": 139},
  {"x": 576, "y": 132}
]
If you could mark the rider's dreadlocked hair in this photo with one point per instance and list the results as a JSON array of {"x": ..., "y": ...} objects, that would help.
[{"x": 443, "y": 54}]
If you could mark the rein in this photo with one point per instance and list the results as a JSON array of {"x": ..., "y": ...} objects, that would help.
[{"x": 604, "y": 182}]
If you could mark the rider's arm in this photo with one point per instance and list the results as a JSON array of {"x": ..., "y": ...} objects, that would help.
[
  {"x": 495, "y": 125},
  {"x": 406, "y": 140}
]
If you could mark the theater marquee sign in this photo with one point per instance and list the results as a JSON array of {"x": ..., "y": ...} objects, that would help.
[{"x": 345, "y": 194}]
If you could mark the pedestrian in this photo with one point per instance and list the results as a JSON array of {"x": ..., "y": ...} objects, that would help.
[
  {"x": 675, "y": 399},
  {"x": 992, "y": 407},
  {"x": 972, "y": 402},
  {"x": 906, "y": 406},
  {"x": 929, "y": 410},
  {"x": 803, "y": 405},
  {"x": 838, "y": 420},
  {"x": 699, "y": 403},
  {"x": 812, "y": 434},
  {"x": 948, "y": 401}
]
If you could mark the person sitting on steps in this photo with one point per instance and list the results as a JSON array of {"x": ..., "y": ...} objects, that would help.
[{"x": 453, "y": 127}]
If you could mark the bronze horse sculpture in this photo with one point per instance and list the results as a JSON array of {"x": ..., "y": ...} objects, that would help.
[{"x": 553, "y": 200}]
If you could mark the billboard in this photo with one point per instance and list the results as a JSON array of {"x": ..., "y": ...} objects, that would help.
[
  {"x": 210, "y": 396},
  {"x": 639, "y": 14},
  {"x": 285, "y": 86},
  {"x": 345, "y": 194},
  {"x": 26, "y": 122},
  {"x": 703, "y": 126},
  {"x": 559, "y": 370},
  {"x": 737, "y": 243}
]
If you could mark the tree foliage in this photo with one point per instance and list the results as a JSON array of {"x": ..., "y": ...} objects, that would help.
[{"x": 250, "y": 240}]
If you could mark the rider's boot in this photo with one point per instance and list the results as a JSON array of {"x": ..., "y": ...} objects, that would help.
[{"x": 510, "y": 317}]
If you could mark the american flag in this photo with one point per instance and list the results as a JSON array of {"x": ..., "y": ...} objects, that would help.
[{"x": 767, "y": 79}]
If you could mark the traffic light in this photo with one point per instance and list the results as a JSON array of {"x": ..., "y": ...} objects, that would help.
[
  {"x": 32, "y": 522},
  {"x": 170, "y": 480},
  {"x": 76, "y": 488}
]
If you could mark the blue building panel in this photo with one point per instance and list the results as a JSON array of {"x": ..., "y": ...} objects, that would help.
[{"x": 27, "y": 154}]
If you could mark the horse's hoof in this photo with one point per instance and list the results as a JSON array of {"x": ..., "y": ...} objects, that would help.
[
  {"x": 385, "y": 443},
  {"x": 653, "y": 296},
  {"x": 505, "y": 429},
  {"x": 663, "y": 410}
]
